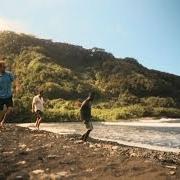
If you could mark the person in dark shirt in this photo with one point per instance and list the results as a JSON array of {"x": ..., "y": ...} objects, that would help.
[{"x": 85, "y": 115}]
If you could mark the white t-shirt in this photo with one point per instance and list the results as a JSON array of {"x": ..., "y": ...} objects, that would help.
[{"x": 38, "y": 103}]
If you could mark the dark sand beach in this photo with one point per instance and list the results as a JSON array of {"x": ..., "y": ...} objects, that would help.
[{"x": 32, "y": 154}]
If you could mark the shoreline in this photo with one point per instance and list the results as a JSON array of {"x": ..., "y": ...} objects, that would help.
[
  {"x": 39, "y": 154},
  {"x": 47, "y": 127}
]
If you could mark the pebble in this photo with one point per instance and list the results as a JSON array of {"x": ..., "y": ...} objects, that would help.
[
  {"x": 48, "y": 145},
  {"x": 112, "y": 152},
  {"x": 114, "y": 147},
  {"x": 55, "y": 176},
  {"x": 89, "y": 170},
  {"x": 85, "y": 143},
  {"x": 22, "y": 145},
  {"x": 91, "y": 146},
  {"x": 72, "y": 139},
  {"x": 171, "y": 167},
  {"x": 21, "y": 162},
  {"x": 107, "y": 146},
  {"x": 38, "y": 171},
  {"x": 62, "y": 173},
  {"x": 132, "y": 154},
  {"x": 96, "y": 149},
  {"x": 19, "y": 177},
  {"x": 98, "y": 145},
  {"x": 28, "y": 149},
  {"x": 51, "y": 156},
  {"x": 72, "y": 169},
  {"x": 78, "y": 142},
  {"x": 7, "y": 153},
  {"x": 172, "y": 172},
  {"x": 47, "y": 169}
]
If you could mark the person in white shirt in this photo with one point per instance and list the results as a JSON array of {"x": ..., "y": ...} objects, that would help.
[{"x": 38, "y": 108}]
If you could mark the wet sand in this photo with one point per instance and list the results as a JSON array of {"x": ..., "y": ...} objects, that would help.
[{"x": 32, "y": 154}]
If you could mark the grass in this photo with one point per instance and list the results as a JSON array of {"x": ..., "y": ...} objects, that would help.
[
  {"x": 60, "y": 110},
  {"x": 134, "y": 111}
]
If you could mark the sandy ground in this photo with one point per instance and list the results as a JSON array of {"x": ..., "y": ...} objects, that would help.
[{"x": 31, "y": 154}]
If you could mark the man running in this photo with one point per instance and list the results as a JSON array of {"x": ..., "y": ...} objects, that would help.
[
  {"x": 38, "y": 108},
  {"x": 85, "y": 115},
  {"x": 6, "y": 79}
]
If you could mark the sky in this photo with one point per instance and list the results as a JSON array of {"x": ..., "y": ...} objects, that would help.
[{"x": 147, "y": 30}]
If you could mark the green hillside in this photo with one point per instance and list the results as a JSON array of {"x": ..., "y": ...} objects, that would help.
[{"x": 124, "y": 88}]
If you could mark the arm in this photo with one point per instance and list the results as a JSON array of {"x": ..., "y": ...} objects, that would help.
[
  {"x": 11, "y": 76},
  {"x": 83, "y": 104},
  {"x": 33, "y": 104},
  {"x": 44, "y": 101},
  {"x": 32, "y": 107}
]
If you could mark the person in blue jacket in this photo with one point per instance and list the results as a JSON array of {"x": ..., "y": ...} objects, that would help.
[{"x": 6, "y": 79}]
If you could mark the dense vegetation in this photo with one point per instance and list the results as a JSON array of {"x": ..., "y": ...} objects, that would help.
[{"x": 66, "y": 73}]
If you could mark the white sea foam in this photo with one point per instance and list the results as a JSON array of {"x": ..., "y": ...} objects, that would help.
[{"x": 147, "y": 124}]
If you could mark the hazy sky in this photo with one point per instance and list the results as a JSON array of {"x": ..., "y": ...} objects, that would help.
[{"x": 148, "y": 30}]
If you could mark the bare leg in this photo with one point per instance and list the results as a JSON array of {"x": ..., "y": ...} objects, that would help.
[
  {"x": 1, "y": 117},
  {"x": 86, "y": 135},
  {"x": 39, "y": 122},
  {"x": 38, "y": 117},
  {"x": 6, "y": 116},
  {"x": 82, "y": 137},
  {"x": 36, "y": 123}
]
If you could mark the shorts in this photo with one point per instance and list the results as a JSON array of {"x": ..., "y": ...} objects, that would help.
[
  {"x": 6, "y": 101},
  {"x": 88, "y": 125},
  {"x": 39, "y": 114}
]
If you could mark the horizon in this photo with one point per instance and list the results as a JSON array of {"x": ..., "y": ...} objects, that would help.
[{"x": 144, "y": 30}]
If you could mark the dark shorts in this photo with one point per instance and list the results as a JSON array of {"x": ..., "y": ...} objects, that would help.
[
  {"x": 39, "y": 114},
  {"x": 6, "y": 101}
]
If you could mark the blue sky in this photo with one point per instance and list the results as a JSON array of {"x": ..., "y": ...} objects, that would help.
[{"x": 148, "y": 30}]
